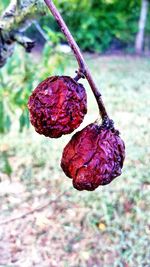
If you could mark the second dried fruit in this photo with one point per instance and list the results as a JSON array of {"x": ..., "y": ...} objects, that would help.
[{"x": 93, "y": 157}]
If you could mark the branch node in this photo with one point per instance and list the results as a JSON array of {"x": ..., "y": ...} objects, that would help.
[{"x": 80, "y": 75}]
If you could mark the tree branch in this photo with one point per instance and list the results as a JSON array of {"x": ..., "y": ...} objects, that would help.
[{"x": 83, "y": 68}]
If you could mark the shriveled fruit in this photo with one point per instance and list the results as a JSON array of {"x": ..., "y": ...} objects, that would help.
[
  {"x": 57, "y": 106},
  {"x": 94, "y": 156}
]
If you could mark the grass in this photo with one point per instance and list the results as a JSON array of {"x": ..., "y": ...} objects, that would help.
[{"x": 105, "y": 228}]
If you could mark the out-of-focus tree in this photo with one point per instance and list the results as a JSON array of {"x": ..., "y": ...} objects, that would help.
[
  {"x": 139, "y": 43},
  {"x": 15, "y": 19}
]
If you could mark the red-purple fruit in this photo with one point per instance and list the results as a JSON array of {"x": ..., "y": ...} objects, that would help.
[
  {"x": 57, "y": 106},
  {"x": 94, "y": 156}
]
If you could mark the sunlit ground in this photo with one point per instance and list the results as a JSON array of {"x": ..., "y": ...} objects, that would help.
[{"x": 105, "y": 228}]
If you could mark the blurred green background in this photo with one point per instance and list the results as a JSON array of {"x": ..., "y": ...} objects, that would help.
[
  {"x": 110, "y": 226},
  {"x": 100, "y": 25}
]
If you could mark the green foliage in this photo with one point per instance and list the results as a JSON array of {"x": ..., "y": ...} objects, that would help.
[
  {"x": 15, "y": 87},
  {"x": 99, "y": 25}
]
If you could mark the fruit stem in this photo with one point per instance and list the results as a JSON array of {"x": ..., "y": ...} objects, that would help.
[{"x": 83, "y": 68}]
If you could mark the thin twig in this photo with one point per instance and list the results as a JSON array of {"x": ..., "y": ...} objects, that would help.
[
  {"x": 83, "y": 68},
  {"x": 37, "y": 209}
]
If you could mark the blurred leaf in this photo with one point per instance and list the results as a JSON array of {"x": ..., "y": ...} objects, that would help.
[
  {"x": 7, "y": 123},
  {"x": 24, "y": 120},
  {"x": 5, "y": 166}
]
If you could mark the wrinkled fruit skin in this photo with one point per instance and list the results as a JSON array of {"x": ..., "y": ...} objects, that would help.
[
  {"x": 57, "y": 106},
  {"x": 93, "y": 157}
]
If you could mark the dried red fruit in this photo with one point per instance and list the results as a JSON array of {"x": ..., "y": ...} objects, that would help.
[
  {"x": 93, "y": 157},
  {"x": 57, "y": 106}
]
